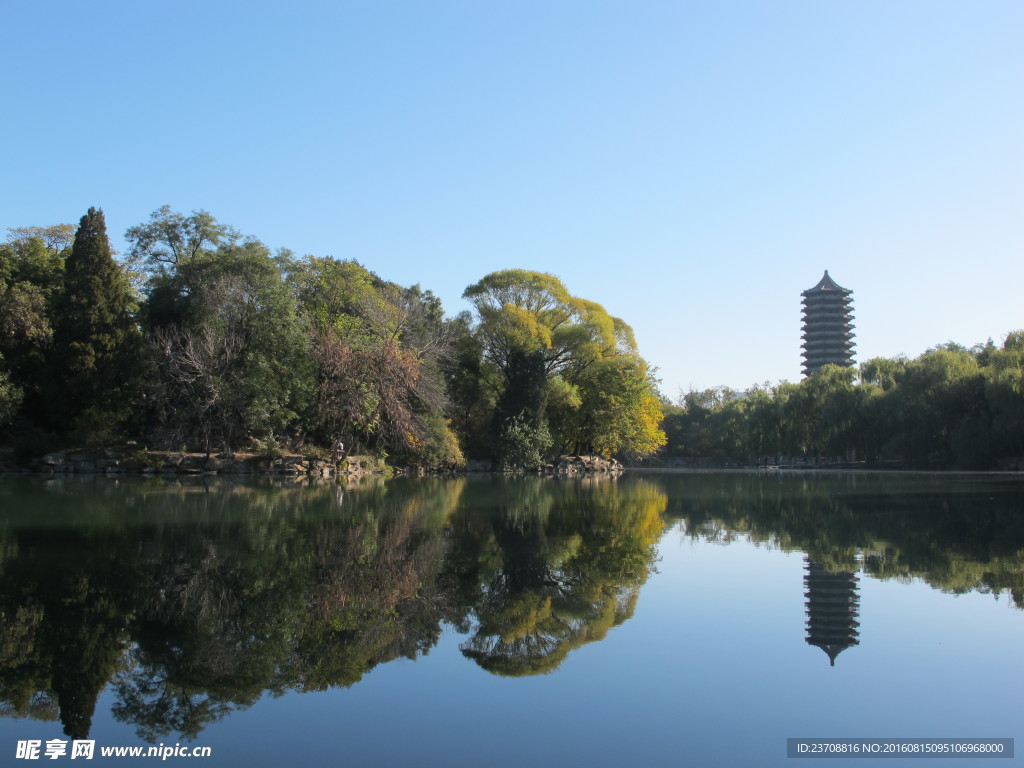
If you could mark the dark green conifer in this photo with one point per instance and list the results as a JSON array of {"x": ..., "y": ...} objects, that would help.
[{"x": 96, "y": 341}]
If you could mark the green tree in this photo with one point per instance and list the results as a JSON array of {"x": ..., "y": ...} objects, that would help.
[
  {"x": 96, "y": 342},
  {"x": 10, "y": 396},
  {"x": 616, "y": 409},
  {"x": 169, "y": 240},
  {"x": 470, "y": 389},
  {"x": 31, "y": 276},
  {"x": 883, "y": 372},
  {"x": 56, "y": 239},
  {"x": 381, "y": 352},
  {"x": 710, "y": 424},
  {"x": 234, "y": 364},
  {"x": 540, "y": 342},
  {"x": 940, "y": 400},
  {"x": 1004, "y": 394},
  {"x": 827, "y": 408}
]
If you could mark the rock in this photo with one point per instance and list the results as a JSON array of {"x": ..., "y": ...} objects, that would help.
[
  {"x": 192, "y": 465},
  {"x": 220, "y": 463},
  {"x": 574, "y": 465}
]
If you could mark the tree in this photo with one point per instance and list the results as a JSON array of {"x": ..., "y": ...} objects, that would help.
[
  {"x": 826, "y": 409},
  {"x": 248, "y": 345},
  {"x": 31, "y": 277},
  {"x": 96, "y": 343},
  {"x": 616, "y": 409},
  {"x": 232, "y": 356},
  {"x": 55, "y": 238},
  {"x": 522, "y": 312},
  {"x": 1004, "y": 394},
  {"x": 542, "y": 345},
  {"x": 939, "y": 393},
  {"x": 468, "y": 387},
  {"x": 883, "y": 371},
  {"x": 170, "y": 240},
  {"x": 380, "y": 351},
  {"x": 10, "y": 397}
]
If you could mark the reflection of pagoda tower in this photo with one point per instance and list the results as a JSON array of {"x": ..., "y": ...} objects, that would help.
[
  {"x": 832, "y": 604},
  {"x": 828, "y": 325}
]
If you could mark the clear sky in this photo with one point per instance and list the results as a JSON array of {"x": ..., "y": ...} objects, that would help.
[{"x": 692, "y": 166}]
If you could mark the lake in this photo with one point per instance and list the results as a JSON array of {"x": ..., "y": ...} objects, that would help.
[{"x": 656, "y": 619}]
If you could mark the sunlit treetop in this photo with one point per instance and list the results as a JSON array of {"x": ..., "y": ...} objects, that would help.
[{"x": 523, "y": 311}]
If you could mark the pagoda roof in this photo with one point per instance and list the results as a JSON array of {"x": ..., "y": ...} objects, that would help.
[
  {"x": 827, "y": 284},
  {"x": 833, "y": 649}
]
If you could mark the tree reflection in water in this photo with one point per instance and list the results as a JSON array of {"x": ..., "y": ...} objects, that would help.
[
  {"x": 553, "y": 566},
  {"x": 196, "y": 599}
]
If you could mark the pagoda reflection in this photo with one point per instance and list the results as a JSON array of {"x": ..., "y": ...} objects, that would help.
[{"x": 832, "y": 609}]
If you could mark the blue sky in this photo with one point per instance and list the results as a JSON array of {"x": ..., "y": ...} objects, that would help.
[{"x": 691, "y": 166}]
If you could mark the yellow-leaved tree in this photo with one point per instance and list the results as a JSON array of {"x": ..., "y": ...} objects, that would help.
[{"x": 568, "y": 375}]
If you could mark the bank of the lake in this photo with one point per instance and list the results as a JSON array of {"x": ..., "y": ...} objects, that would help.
[{"x": 314, "y": 463}]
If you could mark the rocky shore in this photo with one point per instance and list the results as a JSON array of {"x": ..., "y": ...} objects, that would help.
[
  {"x": 145, "y": 462},
  {"x": 115, "y": 461},
  {"x": 563, "y": 465}
]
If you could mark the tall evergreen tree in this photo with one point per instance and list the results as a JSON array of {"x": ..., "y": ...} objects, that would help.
[{"x": 96, "y": 343}]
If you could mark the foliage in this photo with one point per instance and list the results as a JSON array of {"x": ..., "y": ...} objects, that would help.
[
  {"x": 378, "y": 351},
  {"x": 201, "y": 336},
  {"x": 231, "y": 357},
  {"x": 950, "y": 407},
  {"x": 170, "y": 240},
  {"x": 522, "y": 443},
  {"x": 31, "y": 279},
  {"x": 565, "y": 374},
  {"x": 618, "y": 411},
  {"x": 96, "y": 344},
  {"x": 10, "y": 397}
]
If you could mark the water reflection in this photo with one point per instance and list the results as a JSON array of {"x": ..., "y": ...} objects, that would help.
[
  {"x": 194, "y": 600},
  {"x": 958, "y": 533},
  {"x": 555, "y": 566},
  {"x": 832, "y": 607}
]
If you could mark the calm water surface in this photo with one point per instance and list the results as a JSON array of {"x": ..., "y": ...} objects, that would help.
[{"x": 660, "y": 619}]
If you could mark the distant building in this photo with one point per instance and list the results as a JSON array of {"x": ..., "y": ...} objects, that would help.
[{"x": 828, "y": 325}]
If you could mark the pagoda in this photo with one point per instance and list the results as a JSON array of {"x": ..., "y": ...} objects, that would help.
[
  {"x": 832, "y": 609},
  {"x": 828, "y": 325}
]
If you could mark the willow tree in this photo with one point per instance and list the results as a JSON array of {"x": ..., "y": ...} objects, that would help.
[
  {"x": 1004, "y": 390},
  {"x": 549, "y": 355}
]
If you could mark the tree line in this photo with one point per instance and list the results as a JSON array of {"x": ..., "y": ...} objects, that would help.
[
  {"x": 202, "y": 339},
  {"x": 952, "y": 407}
]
